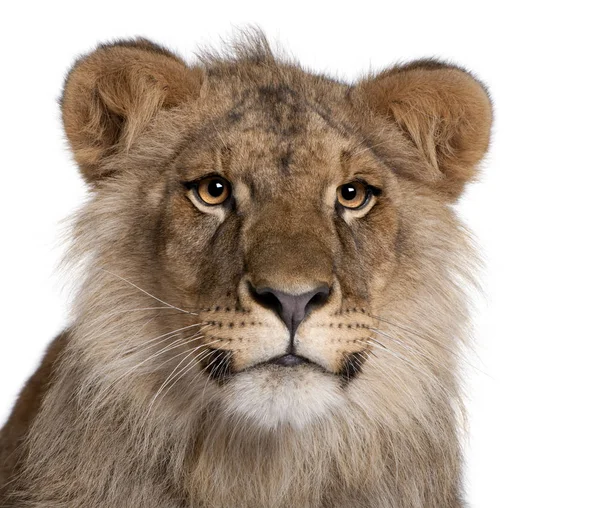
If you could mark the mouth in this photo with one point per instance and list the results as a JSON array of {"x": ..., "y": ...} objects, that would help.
[
  {"x": 288, "y": 360},
  {"x": 220, "y": 368},
  {"x": 351, "y": 366}
]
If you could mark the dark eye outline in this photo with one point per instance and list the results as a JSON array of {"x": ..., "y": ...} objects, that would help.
[
  {"x": 194, "y": 187},
  {"x": 370, "y": 191}
]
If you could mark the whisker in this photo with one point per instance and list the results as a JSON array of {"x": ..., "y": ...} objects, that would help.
[
  {"x": 109, "y": 329},
  {"x": 168, "y": 379},
  {"x": 194, "y": 361},
  {"x": 146, "y": 292},
  {"x": 211, "y": 352},
  {"x": 199, "y": 337},
  {"x": 375, "y": 343},
  {"x": 127, "y": 343},
  {"x": 121, "y": 311},
  {"x": 169, "y": 347},
  {"x": 415, "y": 332},
  {"x": 177, "y": 343},
  {"x": 221, "y": 366},
  {"x": 172, "y": 375},
  {"x": 429, "y": 338},
  {"x": 165, "y": 336},
  {"x": 418, "y": 351},
  {"x": 390, "y": 373},
  {"x": 208, "y": 376}
]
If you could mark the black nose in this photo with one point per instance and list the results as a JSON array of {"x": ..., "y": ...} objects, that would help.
[{"x": 292, "y": 309}]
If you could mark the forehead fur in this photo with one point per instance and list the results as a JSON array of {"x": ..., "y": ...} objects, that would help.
[
  {"x": 256, "y": 91},
  {"x": 428, "y": 121}
]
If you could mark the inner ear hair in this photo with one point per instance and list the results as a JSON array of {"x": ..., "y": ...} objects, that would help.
[
  {"x": 111, "y": 94},
  {"x": 443, "y": 110}
]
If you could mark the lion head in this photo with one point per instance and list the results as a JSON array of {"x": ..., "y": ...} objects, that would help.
[{"x": 268, "y": 252}]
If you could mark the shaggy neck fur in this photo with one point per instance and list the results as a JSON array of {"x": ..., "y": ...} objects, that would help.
[{"x": 101, "y": 436}]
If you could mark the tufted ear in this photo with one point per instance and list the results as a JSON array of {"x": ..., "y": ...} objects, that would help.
[
  {"x": 112, "y": 94},
  {"x": 443, "y": 110}
]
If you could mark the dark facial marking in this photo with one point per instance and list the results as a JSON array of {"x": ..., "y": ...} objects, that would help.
[
  {"x": 351, "y": 367},
  {"x": 234, "y": 116},
  {"x": 218, "y": 365},
  {"x": 346, "y": 131},
  {"x": 274, "y": 95},
  {"x": 285, "y": 159}
]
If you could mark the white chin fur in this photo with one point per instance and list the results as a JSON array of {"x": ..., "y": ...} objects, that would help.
[{"x": 279, "y": 396}]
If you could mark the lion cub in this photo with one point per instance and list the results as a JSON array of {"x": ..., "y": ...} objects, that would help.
[{"x": 274, "y": 296}]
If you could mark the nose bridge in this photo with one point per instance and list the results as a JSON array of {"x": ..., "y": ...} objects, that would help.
[{"x": 289, "y": 249}]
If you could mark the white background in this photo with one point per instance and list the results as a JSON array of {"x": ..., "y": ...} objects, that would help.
[{"x": 534, "y": 405}]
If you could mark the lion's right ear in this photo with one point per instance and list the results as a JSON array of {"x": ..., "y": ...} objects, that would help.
[
  {"x": 443, "y": 110},
  {"x": 111, "y": 95}
]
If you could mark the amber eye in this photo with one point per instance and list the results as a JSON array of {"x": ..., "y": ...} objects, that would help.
[
  {"x": 353, "y": 195},
  {"x": 213, "y": 190}
]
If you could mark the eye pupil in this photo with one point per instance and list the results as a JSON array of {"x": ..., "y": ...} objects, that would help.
[
  {"x": 349, "y": 192},
  {"x": 215, "y": 188}
]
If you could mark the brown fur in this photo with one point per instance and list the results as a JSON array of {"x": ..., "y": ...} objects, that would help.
[
  {"x": 128, "y": 415},
  {"x": 28, "y": 404}
]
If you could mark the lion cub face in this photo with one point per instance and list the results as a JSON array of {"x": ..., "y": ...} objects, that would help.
[
  {"x": 283, "y": 217},
  {"x": 282, "y": 232}
]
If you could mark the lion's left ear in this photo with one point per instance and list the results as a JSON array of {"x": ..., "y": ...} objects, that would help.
[{"x": 443, "y": 110}]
